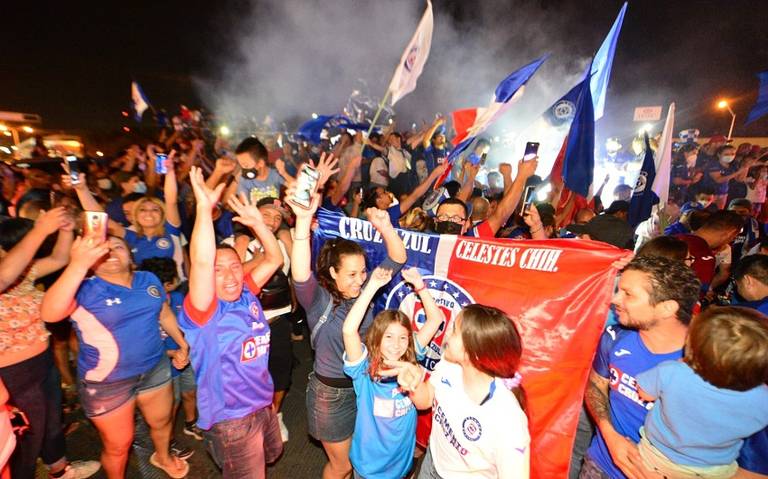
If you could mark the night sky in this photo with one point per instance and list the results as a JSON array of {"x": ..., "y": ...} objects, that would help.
[{"x": 73, "y": 64}]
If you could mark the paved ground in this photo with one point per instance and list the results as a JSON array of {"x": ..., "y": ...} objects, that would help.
[{"x": 302, "y": 458}]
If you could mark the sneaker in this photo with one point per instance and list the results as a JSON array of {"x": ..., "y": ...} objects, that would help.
[
  {"x": 283, "y": 429},
  {"x": 193, "y": 431},
  {"x": 180, "y": 451},
  {"x": 80, "y": 469}
]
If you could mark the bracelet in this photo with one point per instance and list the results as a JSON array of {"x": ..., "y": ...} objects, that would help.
[
  {"x": 419, "y": 290},
  {"x": 536, "y": 231},
  {"x": 301, "y": 239}
]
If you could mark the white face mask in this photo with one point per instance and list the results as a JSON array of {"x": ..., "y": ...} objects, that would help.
[
  {"x": 691, "y": 161},
  {"x": 104, "y": 183},
  {"x": 703, "y": 203},
  {"x": 140, "y": 187},
  {"x": 727, "y": 158}
]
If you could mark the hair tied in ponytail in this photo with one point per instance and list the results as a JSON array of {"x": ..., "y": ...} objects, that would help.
[{"x": 513, "y": 382}]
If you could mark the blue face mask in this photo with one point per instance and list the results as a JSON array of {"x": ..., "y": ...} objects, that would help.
[{"x": 140, "y": 188}]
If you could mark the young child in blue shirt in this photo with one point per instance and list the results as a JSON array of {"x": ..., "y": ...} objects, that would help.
[
  {"x": 385, "y": 426},
  {"x": 706, "y": 405}
]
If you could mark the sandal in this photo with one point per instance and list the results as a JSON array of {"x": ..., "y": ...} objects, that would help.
[{"x": 177, "y": 475}]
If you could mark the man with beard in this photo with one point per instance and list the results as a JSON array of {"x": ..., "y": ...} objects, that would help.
[{"x": 654, "y": 305}]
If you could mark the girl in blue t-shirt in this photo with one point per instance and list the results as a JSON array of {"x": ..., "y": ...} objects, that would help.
[
  {"x": 385, "y": 426},
  {"x": 707, "y": 404}
]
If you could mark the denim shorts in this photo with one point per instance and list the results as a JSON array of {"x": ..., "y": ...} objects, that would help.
[
  {"x": 330, "y": 411},
  {"x": 183, "y": 383},
  {"x": 98, "y": 398}
]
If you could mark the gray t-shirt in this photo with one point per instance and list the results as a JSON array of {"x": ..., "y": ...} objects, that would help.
[{"x": 329, "y": 346}]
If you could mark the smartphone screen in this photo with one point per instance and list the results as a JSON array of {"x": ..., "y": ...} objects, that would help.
[
  {"x": 74, "y": 172},
  {"x": 95, "y": 224},
  {"x": 529, "y": 196},
  {"x": 531, "y": 150},
  {"x": 160, "y": 167},
  {"x": 306, "y": 184}
]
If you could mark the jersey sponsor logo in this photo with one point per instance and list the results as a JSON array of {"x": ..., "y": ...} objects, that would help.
[
  {"x": 471, "y": 428},
  {"x": 622, "y": 352},
  {"x": 446, "y": 382},
  {"x": 254, "y": 309},
  {"x": 445, "y": 425},
  {"x": 163, "y": 243},
  {"x": 112, "y": 301},
  {"x": 153, "y": 291},
  {"x": 611, "y": 332},
  {"x": 254, "y": 347},
  {"x": 626, "y": 385}
]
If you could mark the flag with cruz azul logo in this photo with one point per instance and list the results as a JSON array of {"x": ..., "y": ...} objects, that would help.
[{"x": 556, "y": 291}]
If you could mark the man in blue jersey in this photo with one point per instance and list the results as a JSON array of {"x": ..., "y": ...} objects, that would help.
[
  {"x": 229, "y": 339},
  {"x": 654, "y": 304}
]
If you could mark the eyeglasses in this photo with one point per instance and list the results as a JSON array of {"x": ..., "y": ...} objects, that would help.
[{"x": 454, "y": 218}]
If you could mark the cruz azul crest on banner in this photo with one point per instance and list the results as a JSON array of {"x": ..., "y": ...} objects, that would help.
[{"x": 557, "y": 292}]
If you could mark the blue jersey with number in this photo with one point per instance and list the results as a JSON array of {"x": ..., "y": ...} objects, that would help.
[
  {"x": 229, "y": 350},
  {"x": 385, "y": 426},
  {"x": 620, "y": 357},
  {"x": 118, "y": 327}
]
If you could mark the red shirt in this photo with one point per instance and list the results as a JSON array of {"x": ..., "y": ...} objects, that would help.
[{"x": 704, "y": 259}]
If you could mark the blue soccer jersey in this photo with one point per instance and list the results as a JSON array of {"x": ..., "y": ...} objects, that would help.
[
  {"x": 385, "y": 426},
  {"x": 620, "y": 357},
  {"x": 118, "y": 327},
  {"x": 167, "y": 245},
  {"x": 229, "y": 348}
]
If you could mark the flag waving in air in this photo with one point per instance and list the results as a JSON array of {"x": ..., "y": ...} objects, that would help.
[
  {"x": 414, "y": 57},
  {"x": 761, "y": 107},
  {"x": 601, "y": 65},
  {"x": 139, "y": 100}
]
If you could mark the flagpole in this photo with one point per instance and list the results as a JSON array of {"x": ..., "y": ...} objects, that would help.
[{"x": 375, "y": 117}]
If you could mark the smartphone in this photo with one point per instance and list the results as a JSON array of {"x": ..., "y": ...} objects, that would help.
[
  {"x": 531, "y": 150},
  {"x": 306, "y": 185},
  {"x": 160, "y": 166},
  {"x": 95, "y": 224},
  {"x": 529, "y": 196},
  {"x": 74, "y": 172}
]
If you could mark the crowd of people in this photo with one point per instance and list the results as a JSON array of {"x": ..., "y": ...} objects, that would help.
[{"x": 189, "y": 303}]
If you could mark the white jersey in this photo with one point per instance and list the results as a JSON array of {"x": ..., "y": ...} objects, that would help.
[{"x": 469, "y": 440}]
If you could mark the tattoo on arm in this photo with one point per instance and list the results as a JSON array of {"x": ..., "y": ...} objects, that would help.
[{"x": 597, "y": 397}]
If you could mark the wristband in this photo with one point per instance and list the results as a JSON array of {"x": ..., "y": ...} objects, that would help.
[
  {"x": 301, "y": 239},
  {"x": 419, "y": 290}
]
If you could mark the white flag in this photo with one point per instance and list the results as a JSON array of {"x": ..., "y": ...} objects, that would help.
[
  {"x": 413, "y": 59},
  {"x": 664, "y": 159}
]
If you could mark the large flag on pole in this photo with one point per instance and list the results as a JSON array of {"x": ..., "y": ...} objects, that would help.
[
  {"x": 474, "y": 121},
  {"x": 579, "y": 160},
  {"x": 664, "y": 158},
  {"x": 413, "y": 59},
  {"x": 761, "y": 107},
  {"x": 139, "y": 100},
  {"x": 557, "y": 292},
  {"x": 602, "y": 63},
  {"x": 311, "y": 130},
  {"x": 643, "y": 197}
]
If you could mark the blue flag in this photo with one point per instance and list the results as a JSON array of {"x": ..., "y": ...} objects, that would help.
[
  {"x": 761, "y": 107},
  {"x": 312, "y": 129},
  {"x": 579, "y": 161},
  {"x": 643, "y": 197},
  {"x": 602, "y": 63},
  {"x": 139, "y": 101}
]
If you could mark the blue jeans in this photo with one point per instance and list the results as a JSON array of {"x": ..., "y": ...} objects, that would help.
[
  {"x": 242, "y": 447},
  {"x": 427, "y": 470}
]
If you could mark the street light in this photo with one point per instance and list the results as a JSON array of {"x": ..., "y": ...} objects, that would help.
[
  {"x": 723, "y": 104},
  {"x": 28, "y": 129}
]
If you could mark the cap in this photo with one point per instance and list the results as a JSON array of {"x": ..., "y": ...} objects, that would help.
[
  {"x": 272, "y": 202},
  {"x": 617, "y": 206},
  {"x": 608, "y": 229},
  {"x": 690, "y": 206},
  {"x": 718, "y": 139}
]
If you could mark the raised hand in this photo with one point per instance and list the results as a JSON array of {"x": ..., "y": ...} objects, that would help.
[
  {"x": 205, "y": 197},
  {"x": 380, "y": 277},
  {"x": 413, "y": 276},
  {"x": 326, "y": 166},
  {"x": 225, "y": 165},
  {"x": 247, "y": 213},
  {"x": 52, "y": 220},
  {"x": 378, "y": 218},
  {"x": 439, "y": 170},
  {"x": 527, "y": 168},
  {"x": 532, "y": 218},
  {"x": 86, "y": 251},
  {"x": 505, "y": 169},
  {"x": 298, "y": 210}
]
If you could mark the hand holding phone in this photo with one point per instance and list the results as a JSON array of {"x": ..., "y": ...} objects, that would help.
[
  {"x": 306, "y": 186},
  {"x": 95, "y": 224},
  {"x": 72, "y": 169},
  {"x": 528, "y": 198},
  {"x": 161, "y": 167},
  {"x": 531, "y": 150}
]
